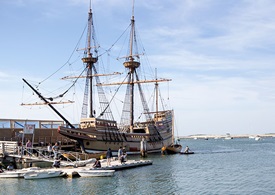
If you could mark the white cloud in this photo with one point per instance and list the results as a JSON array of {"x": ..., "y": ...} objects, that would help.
[{"x": 4, "y": 76}]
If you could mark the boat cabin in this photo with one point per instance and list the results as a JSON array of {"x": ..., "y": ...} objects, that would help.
[{"x": 98, "y": 123}]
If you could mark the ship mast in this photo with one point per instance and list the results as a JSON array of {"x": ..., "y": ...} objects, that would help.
[
  {"x": 90, "y": 60},
  {"x": 131, "y": 64},
  {"x": 157, "y": 93}
]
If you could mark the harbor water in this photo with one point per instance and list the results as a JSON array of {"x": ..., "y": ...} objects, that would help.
[{"x": 237, "y": 166}]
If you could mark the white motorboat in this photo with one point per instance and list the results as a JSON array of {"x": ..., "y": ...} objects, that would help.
[
  {"x": 18, "y": 173},
  {"x": 96, "y": 173},
  {"x": 43, "y": 174},
  {"x": 228, "y": 136},
  {"x": 257, "y": 138}
]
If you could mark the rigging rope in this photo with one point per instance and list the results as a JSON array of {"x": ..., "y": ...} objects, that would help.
[
  {"x": 108, "y": 50},
  {"x": 67, "y": 60},
  {"x": 61, "y": 95},
  {"x": 113, "y": 95}
]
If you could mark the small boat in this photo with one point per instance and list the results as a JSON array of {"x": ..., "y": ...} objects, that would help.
[
  {"x": 77, "y": 163},
  {"x": 43, "y": 174},
  {"x": 82, "y": 163},
  {"x": 257, "y": 138},
  {"x": 18, "y": 173},
  {"x": 228, "y": 136},
  {"x": 96, "y": 173},
  {"x": 172, "y": 149},
  {"x": 186, "y": 153},
  {"x": 84, "y": 156},
  {"x": 12, "y": 174}
]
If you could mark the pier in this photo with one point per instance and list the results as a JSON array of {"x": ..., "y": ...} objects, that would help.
[{"x": 70, "y": 167}]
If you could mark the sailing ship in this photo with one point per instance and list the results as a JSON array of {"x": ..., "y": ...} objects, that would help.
[{"x": 97, "y": 133}]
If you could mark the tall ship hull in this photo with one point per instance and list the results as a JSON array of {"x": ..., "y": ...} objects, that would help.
[{"x": 96, "y": 135}]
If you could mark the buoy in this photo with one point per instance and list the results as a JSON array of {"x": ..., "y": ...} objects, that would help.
[{"x": 163, "y": 150}]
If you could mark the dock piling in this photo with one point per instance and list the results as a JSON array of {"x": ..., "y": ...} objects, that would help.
[{"x": 143, "y": 148}]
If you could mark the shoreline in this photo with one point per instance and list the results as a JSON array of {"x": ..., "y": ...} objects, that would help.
[{"x": 206, "y": 136}]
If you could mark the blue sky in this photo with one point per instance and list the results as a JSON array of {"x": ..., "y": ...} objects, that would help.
[{"x": 219, "y": 54}]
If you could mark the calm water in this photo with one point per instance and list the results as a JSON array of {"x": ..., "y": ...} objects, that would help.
[{"x": 238, "y": 166}]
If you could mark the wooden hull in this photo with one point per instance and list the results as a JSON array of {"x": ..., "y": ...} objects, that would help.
[
  {"x": 172, "y": 149},
  {"x": 93, "y": 139},
  {"x": 132, "y": 144}
]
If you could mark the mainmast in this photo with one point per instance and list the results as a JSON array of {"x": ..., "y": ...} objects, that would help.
[
  {"x": 90, "y": 60},
  {"x": 131, "y": 64},
  {"x": 157, "y": 93}
]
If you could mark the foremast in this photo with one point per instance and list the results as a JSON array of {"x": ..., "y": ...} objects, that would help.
[
  {"x": 89, "y": 60},
  {"x": 132, "y": 65},
  {"x": 91, "y": 64}
]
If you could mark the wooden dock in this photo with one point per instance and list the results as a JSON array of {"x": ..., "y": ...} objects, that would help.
[
  {"x": 10, "y": 149},
  {"x": 45, "y": 132}
]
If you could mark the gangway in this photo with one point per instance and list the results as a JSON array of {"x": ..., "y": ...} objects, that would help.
[{"x": 11, "y": 149}]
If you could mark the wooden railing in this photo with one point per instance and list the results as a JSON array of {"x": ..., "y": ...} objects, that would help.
[
  {"x": 41, "y": 141},
  {"x": 7, "y": 147}
]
